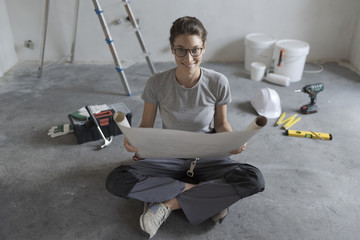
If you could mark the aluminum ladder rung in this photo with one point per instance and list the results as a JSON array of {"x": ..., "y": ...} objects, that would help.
[
  {"x": 108, "y": 38},
  {"x": 100, "y": 12}
]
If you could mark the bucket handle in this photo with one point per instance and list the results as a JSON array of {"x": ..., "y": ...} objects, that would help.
[{"x": 281, "y": 56}]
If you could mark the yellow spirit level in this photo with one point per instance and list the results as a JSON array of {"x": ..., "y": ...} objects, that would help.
[{"x": 305, "y": 134}]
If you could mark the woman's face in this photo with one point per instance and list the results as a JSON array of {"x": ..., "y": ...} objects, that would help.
[{"x": 193, "y": 43}]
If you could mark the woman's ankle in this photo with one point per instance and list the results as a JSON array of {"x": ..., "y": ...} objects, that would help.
[{"x": 173, "y": 204}]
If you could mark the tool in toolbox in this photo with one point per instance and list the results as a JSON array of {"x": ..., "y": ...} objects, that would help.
[
  {"x": 308, "y": 134},
  {"x": 312, "y": 90},
  {"x": 104, "y": 121}
]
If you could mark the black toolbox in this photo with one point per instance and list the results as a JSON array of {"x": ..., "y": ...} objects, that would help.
[{"x": 86, "y": 130}]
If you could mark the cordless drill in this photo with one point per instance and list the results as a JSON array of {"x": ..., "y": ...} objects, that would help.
[{"x": 312, "y": 90}]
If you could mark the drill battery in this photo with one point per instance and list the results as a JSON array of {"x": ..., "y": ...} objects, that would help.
[{"x": 86, "y": 130}]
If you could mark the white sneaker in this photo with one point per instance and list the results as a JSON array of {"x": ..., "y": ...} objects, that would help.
[
  {"x": 152, "y": 219},
  {"x": 146, "y": 207},
  {"x": 219, "y": 218}
]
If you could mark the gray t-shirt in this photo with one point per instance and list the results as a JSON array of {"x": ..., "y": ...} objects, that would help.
[{"x": 189, "y": 109}]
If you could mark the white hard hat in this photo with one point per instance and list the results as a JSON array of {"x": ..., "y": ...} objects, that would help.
[{"x": 267, "y": 103}]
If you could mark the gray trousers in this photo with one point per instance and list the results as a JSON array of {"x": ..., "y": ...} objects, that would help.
[{"x": 222, "y": 182}]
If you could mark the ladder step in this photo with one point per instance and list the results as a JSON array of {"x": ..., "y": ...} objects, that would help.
[
  {"x": 139, "y": 58},
  {"x": 125, "y": 33},
  {"x": 113, "y": 6},
  {"x": 110, "y": 41}
]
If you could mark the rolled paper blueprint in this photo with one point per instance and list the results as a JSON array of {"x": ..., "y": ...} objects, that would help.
[
  {"x": 123, "y": 124},
  {"x": 168, "y": 143},
  {"x": 258, "y": 123},
  {"x": 121, "y": 120}
]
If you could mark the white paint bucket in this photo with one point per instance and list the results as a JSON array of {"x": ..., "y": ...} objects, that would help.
[
  {"x": 290, "y": 56},
  {"x": 257, "y": 71},
  {"x": 259, "y": 47}
]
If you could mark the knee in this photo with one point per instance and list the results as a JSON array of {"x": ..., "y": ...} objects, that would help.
[
  {"x": 246, "y": 176},
  {"x": 121, "y": 180},
  {"x": 258, "y": 179}
]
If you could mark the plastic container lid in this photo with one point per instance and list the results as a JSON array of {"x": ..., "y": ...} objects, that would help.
[
  {"x": 259, "y": 40},
  {"x": 294, "y": 47}
]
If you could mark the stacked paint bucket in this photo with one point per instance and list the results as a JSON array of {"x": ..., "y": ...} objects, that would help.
[
  {"x": 259, "y": 48},
  {"x": 288, "y": 57}
]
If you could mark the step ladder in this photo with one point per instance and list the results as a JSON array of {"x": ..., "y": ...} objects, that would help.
[
  {"x": 110, "y": 42},
  {"x": 44, "y": 33},
  {"x": 108, "y": 39}
]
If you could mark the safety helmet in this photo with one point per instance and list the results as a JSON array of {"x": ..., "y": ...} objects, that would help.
[{"x": 267, "y": 103}]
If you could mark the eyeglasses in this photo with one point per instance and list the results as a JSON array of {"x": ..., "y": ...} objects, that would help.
[{"x": 181, "y": 52}]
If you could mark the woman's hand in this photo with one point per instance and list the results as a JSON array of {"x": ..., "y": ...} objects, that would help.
[
  {"x": 129, "y": 147},
  {"x": 240, "y": 150},
  {"x": 147, "y": 121},
  {"x": 221, "y": 124}
]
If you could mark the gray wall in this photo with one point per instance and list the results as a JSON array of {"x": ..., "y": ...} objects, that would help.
[
  {"x": 8, "y": 57},
  {"x": 330, "y": 27},
  {"x": 355, "y": 48}
]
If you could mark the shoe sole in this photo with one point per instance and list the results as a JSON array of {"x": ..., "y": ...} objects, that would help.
[
  {"x": 142, "y": 227},
  {"x": 146, "y": 207}
]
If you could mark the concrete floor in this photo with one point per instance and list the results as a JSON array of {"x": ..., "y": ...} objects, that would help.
[{"x": 53, "y": 188}]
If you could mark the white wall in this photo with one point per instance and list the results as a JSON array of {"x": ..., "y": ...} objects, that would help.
[
  {"x": 327, "y": 25},
  {"x": 355, "y": 48},
  {"x": 8, "y": 56}
]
